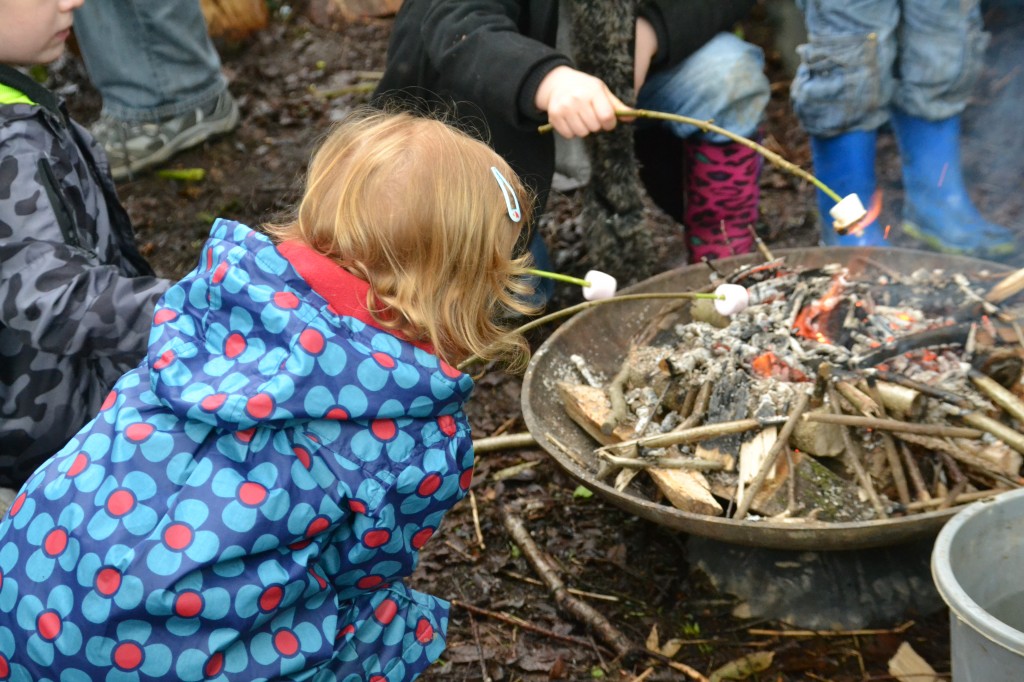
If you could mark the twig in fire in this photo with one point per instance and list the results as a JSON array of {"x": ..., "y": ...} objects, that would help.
[
  {"x": 889, "y": 446},
  {"x": 742, "y": 506},
  {"x": 852, "y": 453},
  {"x": 971, "y": 417}
]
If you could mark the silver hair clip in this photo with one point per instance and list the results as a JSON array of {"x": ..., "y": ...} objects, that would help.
[{"x": 511, "y": 200}]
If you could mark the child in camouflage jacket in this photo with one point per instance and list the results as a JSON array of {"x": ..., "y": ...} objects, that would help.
[{"x": 76, "y": 297}]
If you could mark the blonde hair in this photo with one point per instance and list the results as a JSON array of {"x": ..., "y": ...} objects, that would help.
[{"x": 411, "y": 205}]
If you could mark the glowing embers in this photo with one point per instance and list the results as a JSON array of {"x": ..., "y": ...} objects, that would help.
[
  {"x": 812, "y": 322},
  {"x": 768, "y": 365}
]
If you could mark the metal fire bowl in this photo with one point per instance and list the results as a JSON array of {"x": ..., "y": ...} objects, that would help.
[{"x": 601, "y": 336}]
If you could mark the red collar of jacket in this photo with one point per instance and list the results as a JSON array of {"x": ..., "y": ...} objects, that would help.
[{"x": 345, "y": 293}]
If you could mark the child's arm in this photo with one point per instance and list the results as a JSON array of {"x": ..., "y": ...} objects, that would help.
[
  {"x": 61, "y": 298},
  {"x": 482, "y": 56}
]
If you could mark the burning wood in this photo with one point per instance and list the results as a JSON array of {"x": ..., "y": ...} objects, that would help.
[{"x": 832, "y": 397}]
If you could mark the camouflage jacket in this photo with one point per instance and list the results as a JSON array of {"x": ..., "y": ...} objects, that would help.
[{"x": 76, "y": 297}]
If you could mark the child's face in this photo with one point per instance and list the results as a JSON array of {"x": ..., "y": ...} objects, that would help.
[{"x": 34, "y": 31}]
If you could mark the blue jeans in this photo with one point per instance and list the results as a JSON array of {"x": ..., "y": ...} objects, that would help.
[
  {"x": 149, "y": 59},
  {"x": 723, "y": 81},
  {"x": 865, "y": 56}
]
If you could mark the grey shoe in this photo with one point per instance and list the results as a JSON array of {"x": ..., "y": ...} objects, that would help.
[{"x": 136, "y": 146}]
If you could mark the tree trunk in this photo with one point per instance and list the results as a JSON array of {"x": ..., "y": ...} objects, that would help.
[{"x": 618, "y": 236}]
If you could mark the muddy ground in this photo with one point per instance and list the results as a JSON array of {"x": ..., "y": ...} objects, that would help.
[{"x": 291, "y": 81}]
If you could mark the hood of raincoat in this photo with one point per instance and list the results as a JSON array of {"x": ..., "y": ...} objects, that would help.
[{"x": 263, "y": 334}]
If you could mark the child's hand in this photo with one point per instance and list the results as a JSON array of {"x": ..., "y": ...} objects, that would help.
[{"x": 577, "y": 103}]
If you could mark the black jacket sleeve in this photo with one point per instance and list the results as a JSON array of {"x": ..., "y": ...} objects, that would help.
[
  {"x": 483, "y": 52},
  {"x": 490, "y": 53}
]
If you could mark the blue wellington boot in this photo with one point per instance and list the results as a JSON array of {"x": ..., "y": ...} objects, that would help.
[
  {"x": 937, "y": 209},
  {"x": 846, "y": 163}
]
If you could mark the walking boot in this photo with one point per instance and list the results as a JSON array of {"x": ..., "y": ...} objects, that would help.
[
  {"x": 937, "y": 208},
  {"x": 846, "y": 163},
  {"x": 721, "y": 197}
]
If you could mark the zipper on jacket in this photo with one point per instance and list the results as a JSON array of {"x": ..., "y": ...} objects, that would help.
[{"x": 60, "y": 210}]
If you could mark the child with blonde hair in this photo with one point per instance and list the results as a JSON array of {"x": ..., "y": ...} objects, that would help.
[{"x": 248, "y": 500}]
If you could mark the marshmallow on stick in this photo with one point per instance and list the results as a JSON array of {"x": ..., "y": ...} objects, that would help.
[
  {"x": 733, "y": 299},
  {"x": 847, "y": 213},
  {"x": 600, "y": 285},
  {"x": 729, "y": 298}
]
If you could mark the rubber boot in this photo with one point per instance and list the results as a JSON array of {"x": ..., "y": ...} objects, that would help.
[
  {"x": 937, "y": 209},
  {"x": 846, "y": 164},
  {"x": 721, "y": 197}
]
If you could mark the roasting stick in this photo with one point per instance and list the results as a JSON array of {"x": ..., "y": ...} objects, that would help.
[{"x": 847, "y": 210}]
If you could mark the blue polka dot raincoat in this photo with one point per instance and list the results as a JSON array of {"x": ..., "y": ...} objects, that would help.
[{"x": 247, "y": 501}]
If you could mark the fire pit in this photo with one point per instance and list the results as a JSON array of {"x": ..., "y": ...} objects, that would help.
[{"x": 596, "y": 343}]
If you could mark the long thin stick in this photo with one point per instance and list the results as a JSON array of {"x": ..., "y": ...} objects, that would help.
[
  {"x": 587, "y": 614},
  {"x": 691, "y": 435},
  {"x": 580, "y": 307},
  {"x": 518, "y": 622},
  {"x": 894, "y": 425},
  {"x": 476, "y": 521},
  {"x": 707, "y": 126},
  {"x": 830, "y": 633},
  {"x": 508, "y": 441},
  {"x": 962, "y": 498}
]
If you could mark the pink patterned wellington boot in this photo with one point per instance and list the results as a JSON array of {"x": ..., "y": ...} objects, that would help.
[{"x": 721, "y": 196}]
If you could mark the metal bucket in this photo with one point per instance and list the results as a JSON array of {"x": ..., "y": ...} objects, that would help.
[
  {"x": 602, "y": 334},
  {"x": 976, "y": 566}
]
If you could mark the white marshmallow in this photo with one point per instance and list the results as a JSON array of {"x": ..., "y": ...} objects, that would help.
[
  {"x": 736, "y": 299},
  {"x": 602, "y": 285},
  {"x": 847, "y": 212}
]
